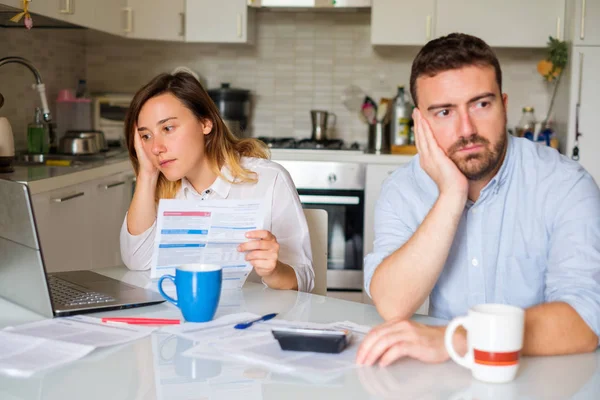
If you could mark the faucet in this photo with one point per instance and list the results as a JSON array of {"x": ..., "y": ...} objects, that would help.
[{"x": 39, "y": 86}]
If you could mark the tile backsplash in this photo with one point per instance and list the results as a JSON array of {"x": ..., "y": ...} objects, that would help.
[
  {"x": 300, "y": 61},
  {"x": 58, "y": 55}
]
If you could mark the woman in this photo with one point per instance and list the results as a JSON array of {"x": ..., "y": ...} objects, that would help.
[{"x": 180, "y": 148}]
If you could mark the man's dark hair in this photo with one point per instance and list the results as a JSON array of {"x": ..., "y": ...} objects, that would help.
[{"x": 454, "y": 51}]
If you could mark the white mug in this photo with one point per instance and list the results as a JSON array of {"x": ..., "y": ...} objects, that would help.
[{"x": 494, "y": 341}]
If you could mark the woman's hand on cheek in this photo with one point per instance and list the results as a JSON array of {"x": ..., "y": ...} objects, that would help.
[
  {"x": 146, "y": 166},
  {"x": 262, "y": 252}
]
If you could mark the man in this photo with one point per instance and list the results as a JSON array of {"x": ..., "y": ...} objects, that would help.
[{"x": 480, "y": 217}]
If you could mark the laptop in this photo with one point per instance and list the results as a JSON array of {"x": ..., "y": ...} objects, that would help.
[{"x": 23, "y": 276}]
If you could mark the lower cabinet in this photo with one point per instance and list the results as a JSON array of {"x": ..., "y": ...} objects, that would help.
[
  {"x": 79, "y": 225},
  {"x": 63, "y": 217}
]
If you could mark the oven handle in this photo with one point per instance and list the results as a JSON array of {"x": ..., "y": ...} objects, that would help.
[{"x": 335, "y": 200}]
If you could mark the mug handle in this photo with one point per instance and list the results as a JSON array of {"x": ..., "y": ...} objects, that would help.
[
  {"x": 467, "y": 360},
  {"x": 160, "y": 289},
  {"x": 332, "y": 125}
]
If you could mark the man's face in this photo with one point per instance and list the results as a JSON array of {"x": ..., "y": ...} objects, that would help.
[{"x": 467, "y": 114}]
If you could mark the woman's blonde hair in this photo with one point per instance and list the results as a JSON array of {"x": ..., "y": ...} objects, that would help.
[{"x": 221, "y": 146}]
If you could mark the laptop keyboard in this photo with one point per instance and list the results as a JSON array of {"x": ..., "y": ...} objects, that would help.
[{"x": 65, "y": 294}]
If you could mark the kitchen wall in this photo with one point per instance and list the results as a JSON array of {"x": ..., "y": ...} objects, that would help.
[
  {"x": 59, "y": 56},
  {"x": 301, "y": 60}
]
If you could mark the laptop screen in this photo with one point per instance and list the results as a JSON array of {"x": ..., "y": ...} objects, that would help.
[{"x": 22, "y": 272}]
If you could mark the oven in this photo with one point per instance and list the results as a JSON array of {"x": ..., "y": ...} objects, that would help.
[{"x": 338, "y": 188}]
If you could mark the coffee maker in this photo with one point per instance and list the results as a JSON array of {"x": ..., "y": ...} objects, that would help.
[{"x": 234, "y": 107}]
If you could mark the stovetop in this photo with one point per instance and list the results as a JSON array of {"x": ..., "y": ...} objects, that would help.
[{"x": 291, "y": 143}]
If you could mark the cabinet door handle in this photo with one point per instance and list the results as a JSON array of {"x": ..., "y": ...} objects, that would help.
[
  {"x": 66, "y": 198},
  {"x": 428, "y": 27},
  {"x": 182, "y": 19},
  {"x": 128, "y": 19},
  {"x": 67, "y": 9},
  {"x": 239, "y": 25},
  {"x": 112, "y": 185},
  {"x": 582, "y": 28}
]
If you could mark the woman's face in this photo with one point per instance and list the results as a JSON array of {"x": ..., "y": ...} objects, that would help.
[{"x": 172, "y": 136}]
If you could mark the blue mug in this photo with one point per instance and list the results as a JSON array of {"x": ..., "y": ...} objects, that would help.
[{"x": 198, "y": 290}]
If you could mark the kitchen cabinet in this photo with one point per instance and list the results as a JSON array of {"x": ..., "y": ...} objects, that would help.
[
  {"x": 508, "y": 23},
  {"x": 100, "y": 15},
  {"x": 587, "y": 28},
  {"x": 62, "y": 217},
  {"x": 376, "y": 175},
  {"x": 109, "y": 202},
  {"x": 155, "y": 19},
  {"x": 584, "y": 90},
  {"x": 212, "y": 21},
  {"x": 402, "y": 22},
  {"x": 79, "y": 225}
]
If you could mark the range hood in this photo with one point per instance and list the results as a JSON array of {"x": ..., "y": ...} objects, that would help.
[{"x": 310, "y": 3}]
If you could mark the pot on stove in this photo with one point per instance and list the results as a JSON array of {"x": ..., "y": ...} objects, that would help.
[{"x": 234, "y": 107}]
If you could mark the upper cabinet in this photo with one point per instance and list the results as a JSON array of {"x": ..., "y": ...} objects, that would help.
[
  {"x": 402, "y": 22},
  {"x": 587, "y": 26},
  {"x": 102, "y": 16},
  {"x": 210, "y": 21},
  {"x": 154, "y": 19},
  {"x": 507, "y": 23}
]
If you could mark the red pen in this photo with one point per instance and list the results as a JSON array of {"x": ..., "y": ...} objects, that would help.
[{"x": 142, "y": 321}]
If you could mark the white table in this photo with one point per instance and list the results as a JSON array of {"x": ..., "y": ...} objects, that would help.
[{"x": 152, "y": 368}]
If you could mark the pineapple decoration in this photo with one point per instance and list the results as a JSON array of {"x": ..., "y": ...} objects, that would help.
[{"x": 553, "y": 66}]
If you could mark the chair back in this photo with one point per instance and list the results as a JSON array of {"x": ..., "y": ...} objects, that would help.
[{"x": 317, "y": 227}]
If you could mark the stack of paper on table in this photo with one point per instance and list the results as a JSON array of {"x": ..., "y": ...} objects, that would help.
[
  {"x": 219, "y": 340},
  {"x": 29, "y": 348}
]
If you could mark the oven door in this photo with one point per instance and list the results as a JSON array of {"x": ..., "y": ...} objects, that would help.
[{"x": 345, "y": 214}]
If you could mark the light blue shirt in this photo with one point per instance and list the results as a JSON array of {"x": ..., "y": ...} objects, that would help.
[{"x": 533, "y": 236}]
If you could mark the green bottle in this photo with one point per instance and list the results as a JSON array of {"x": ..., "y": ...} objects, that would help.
[{"x": 37, "y": 139}]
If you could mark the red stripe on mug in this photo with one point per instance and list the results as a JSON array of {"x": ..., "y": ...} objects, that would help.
[{"x": 496, "y": 358}]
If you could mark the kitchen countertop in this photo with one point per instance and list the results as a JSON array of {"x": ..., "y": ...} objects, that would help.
[
  {"x": 338, "y": 155},
  {"x": 42, "y": 178}
]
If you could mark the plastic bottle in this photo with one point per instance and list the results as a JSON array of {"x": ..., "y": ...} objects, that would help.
[
  {"x": 37, "y": 139},
  {"x": 526, "y": 126},
  {"x": 400, "y": 120},
  {"x": 81, "y": 91}
]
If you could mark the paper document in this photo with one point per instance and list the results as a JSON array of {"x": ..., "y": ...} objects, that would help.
[
  {"x": 209, "y": 232},
  {"x": 256, "y": 345},
  {"x": 22, "y": 356},
  {"x": 84, "y": 330}
]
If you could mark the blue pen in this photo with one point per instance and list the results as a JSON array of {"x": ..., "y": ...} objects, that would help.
[{"x": 244, "y": 325}]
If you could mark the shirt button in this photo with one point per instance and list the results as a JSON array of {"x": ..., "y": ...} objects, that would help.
[{"x": 474, "y": 262}]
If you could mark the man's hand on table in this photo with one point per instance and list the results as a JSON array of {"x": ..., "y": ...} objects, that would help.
[{"x": 397, "y": 338}]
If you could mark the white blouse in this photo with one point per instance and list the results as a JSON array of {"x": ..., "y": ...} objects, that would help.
[{"x": 285, "y": 218}]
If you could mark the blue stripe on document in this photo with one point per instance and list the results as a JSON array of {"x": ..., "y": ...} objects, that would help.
[
  {"x": 234, "y": 227},
  {"x": 180, "y": 245},
  {"x": 184, "y": 231}
]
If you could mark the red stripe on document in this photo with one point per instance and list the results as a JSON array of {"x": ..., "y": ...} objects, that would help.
[
  {"x": 496, "y": 358},
  {"x": 186, "y": 214}
]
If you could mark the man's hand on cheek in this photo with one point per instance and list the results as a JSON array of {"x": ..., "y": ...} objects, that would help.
[{"x": 435, "y": 162}]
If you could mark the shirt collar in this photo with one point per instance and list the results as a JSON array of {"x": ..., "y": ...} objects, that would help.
[{"x": 220, "y": 186}]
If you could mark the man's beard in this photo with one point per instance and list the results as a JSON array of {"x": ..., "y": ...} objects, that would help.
[{"x": 477, "y": 166}]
